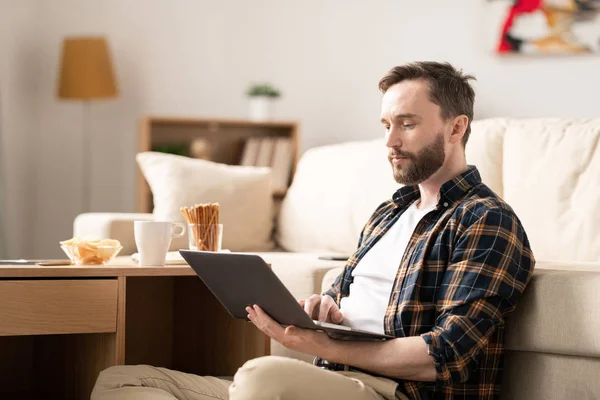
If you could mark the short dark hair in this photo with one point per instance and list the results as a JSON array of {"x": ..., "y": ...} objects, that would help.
[{"x": 449, "y": 88}]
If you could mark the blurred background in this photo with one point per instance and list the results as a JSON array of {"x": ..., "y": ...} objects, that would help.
[{"x": 197, "y": 58}]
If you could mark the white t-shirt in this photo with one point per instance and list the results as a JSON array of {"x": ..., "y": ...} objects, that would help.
[{"x": 364, "y": 308}]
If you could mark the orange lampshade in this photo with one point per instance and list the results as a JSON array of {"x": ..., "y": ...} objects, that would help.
[{"x": 86, "y": 69}]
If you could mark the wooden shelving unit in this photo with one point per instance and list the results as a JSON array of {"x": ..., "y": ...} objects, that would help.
[{"x": 227, "y": 138}]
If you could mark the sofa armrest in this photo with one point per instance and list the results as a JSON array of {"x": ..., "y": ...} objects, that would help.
[
  {"x": 329, "y": 278},
  {"x": 110, "y": 225}
]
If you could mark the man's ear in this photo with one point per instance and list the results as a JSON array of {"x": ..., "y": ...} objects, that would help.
[{"x": 459, "y": 127}]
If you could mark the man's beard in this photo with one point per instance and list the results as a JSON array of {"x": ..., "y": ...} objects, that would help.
[{"x": 421, "y": 166}]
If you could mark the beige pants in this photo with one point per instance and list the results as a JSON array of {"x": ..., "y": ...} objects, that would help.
[{"x": 262, "y": 378}]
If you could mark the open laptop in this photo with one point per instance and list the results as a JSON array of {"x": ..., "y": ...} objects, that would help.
[{"x": 239, "y": 280}]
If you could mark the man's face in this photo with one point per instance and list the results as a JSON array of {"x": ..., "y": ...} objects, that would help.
[{"x": 415, "y": 132}]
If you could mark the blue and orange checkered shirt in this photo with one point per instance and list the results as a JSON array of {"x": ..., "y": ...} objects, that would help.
[{"x": 462, "y": 273}]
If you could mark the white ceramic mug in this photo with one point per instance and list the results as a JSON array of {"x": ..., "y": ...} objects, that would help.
[{"x": 153, "y": 239}]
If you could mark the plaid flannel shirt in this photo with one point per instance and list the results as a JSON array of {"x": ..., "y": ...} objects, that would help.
[{"x": 465, "y": 267}]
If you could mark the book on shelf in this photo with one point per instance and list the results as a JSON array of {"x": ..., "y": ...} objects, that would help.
[
  {"x": 282, "y": 164},
  {"x": 250, "y": 153},
  {"x": 265, "y": 152},
  {"x": 273, "y": 152}
]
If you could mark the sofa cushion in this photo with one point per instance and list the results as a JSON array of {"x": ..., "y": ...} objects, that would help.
[
  {"x": 243, "y": 193},
  {"x": 557, "y": 313},
  {"x": 551, "y": 174},
  {"x": 335, "y": 190},
  {"x": 329, "y": 278},
  {"x": 543, "y": 376},
  {"x": 485, "y": 148}
]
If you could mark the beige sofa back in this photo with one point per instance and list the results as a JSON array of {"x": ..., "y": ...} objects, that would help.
[
  {"x": 546, "y": 169},
  {"x": 552, "y": 340}
]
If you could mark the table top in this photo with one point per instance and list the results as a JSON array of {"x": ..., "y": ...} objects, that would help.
[
  {"x": 125, "y": 266},
  {"x": 120, "y": 266}
]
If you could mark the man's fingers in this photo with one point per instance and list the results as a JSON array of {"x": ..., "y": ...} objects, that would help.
[
  {"x": 310, "y": 304},
  {"x": 291, "y": 330},
  {"x": 337, "y": 317},
  {"x": 322, "y": 308},
  {"x": 326, "y": 305},
  {"x": 329, "y": 311}
]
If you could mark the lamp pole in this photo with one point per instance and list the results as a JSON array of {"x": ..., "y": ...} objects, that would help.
[
  {"x": 86, "y": 74},
  {"x": 86, "y": 167},
  {"x": 2, "y": 162}
]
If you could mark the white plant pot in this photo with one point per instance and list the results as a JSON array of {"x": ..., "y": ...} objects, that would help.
[{"x": 261, "y": 108}]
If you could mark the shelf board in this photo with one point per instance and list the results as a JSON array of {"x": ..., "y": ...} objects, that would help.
[{"x": 219, "y": 121}]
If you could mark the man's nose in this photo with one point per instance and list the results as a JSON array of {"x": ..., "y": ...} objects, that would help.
[{"x": 392, "y": 139}]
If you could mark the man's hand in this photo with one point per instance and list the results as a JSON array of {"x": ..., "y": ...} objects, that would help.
[
  {"x": 322, "y": 308},
  {"x": 304, "y": 340}
]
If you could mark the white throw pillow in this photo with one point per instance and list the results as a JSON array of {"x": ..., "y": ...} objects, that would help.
[{"x": 243, "y": 193}]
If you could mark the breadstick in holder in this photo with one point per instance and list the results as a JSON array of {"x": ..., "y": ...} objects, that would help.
[{"x": 205, "y": 230}]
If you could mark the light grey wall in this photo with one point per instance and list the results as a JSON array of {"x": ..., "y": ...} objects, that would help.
[{"x": 19, "y": 71}]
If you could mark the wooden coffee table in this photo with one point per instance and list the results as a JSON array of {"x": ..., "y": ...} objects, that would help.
[{"x": 60, "y": 326}]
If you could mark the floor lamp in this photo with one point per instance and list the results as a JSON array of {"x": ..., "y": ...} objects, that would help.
[{"x": 86, "y": 74}]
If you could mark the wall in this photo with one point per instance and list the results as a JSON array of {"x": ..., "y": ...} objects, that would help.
[
  {"x": 196, "y": 57},
  {"x": 18, "y": 134}
]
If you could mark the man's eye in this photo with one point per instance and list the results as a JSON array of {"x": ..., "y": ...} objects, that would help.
[
  {"x": 409, "y": 126},
  {"x": 387, "y": 128}
]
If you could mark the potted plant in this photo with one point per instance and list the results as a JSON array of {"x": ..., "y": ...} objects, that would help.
[{"x": 262, "y": 97}]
